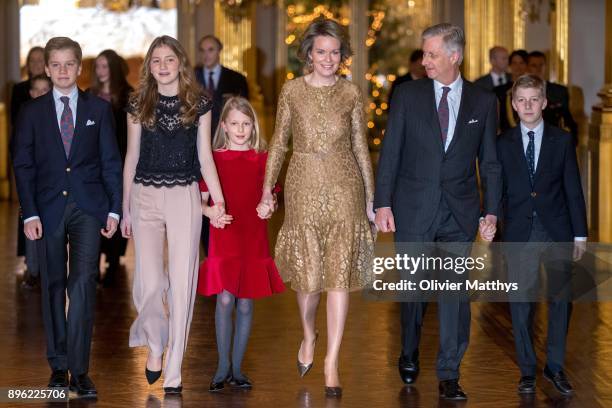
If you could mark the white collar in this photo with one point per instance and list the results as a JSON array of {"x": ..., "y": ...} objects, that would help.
[{"x": 454, "y": 86}]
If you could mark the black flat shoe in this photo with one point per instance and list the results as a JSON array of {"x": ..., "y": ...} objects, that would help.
[
  {"x": 58, "y": 379},
  {"x": 559, "y": 380},
  {"x": 173, "y": 390},
  {"x": 243, "y": 382},
  {"x": 152, "y": 376},
  {"x": 218, "y": 386},
  {"x": 526, "y": 385},
  {"x": 83, "y": 386},
  {"x": 333, "y": 392},
  {"x": 408, "y": 370},
  {"x": 451, "y": 390}
]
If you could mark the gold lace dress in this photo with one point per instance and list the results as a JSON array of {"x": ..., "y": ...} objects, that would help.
[{"x": 325, "y": 241}]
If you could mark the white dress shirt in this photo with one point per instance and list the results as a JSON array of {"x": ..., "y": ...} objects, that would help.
[
  {"x": 454, "y": 100},
  {"x": 498, "y": 79},
  {"x": 537, "y": 147},
  {"x": 216, "y": 71}
]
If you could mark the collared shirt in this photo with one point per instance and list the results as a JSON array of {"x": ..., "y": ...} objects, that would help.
[
  {"x": 216, "y": 71},
  {"x": 454, "y": 100},
  {"x": 496, "y": 78},
  {"x": 537, "y": 146},
  {"x": 59, "y": 105},
  {"x": 537, "y": 139}
]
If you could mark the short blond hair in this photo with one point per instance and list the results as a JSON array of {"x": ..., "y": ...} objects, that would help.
[
  {"x": 62, "y": 43},
  {"x": 529, "y": 81}
]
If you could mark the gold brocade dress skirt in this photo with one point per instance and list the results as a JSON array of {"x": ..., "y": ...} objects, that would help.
[{"x": 325, "y": 241}]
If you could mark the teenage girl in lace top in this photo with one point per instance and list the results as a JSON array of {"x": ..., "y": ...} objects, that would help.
[{"x": 169, "y": 149}]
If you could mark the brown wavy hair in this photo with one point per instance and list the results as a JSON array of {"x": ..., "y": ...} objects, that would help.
[
  {"x": 146, "y": 96},
  {"x": 118, "y": 70}
]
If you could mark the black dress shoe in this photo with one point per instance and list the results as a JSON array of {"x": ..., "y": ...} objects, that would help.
[
  {"x": 152, "y": 376},
  {"x": 333, "y": 392},
  {"x": 559, "y": 380},
  {"x": 83, "y": 386},
  {"x": 218, "y": 386},
  {"x": 173, "y": 390},
  {"x": 408, "y": 370},
  {"x": 58, "y": 379},
  {"x": 526, "y": 385},
  {"x": 451, "y": 390},
  {"x": 243, "y": 382}
]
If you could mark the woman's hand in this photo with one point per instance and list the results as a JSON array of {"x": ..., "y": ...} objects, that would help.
[
  {"x": 370, "y": 211},
  {"x": 126, "y": 225},
  {"x": 268, "y": 201},
  {"x": 264, "y": 211}
]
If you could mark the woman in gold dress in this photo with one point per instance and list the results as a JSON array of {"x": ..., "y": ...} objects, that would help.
[{"x": 325, "y": 243}]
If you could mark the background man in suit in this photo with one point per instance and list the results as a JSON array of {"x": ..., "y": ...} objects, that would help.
[
  {"x": 219, "y": 81},
  {"x": 518, "y": 66},
  {"x": 542, "y": 203},
  {"x": 426, "y": 186},
  {"x": 416, "y": 71},
  {"x": 557, "y": 111},
  {"x": 498, "y": 57},
  {"x": 68, "y": 173}
]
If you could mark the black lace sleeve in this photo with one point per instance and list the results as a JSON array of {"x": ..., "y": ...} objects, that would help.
[
  {"x": 204, "y": 105},
  {"x": 132, "y": 106}
]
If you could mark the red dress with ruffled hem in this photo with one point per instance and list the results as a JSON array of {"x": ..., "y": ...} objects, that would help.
[{"x": 239, "y": 258}]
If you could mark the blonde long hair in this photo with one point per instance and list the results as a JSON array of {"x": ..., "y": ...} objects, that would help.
[
  {"x": 221, "y": 139},
  {"x": 145, "y": 98}
]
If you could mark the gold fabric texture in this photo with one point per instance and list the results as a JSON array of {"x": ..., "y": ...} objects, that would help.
[{"x": 326, "y": 241}]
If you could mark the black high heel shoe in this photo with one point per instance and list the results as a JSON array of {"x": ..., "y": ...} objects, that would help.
[
  {"x": 302, "y": 368},
  {"x": 152, "y": 376},
  {"x": 333, "y": 392}
]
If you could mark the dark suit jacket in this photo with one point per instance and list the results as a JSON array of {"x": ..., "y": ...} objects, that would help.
[
  {"x": 231, "y": 83},
  {"x": 398, "y": 81},
  {"x": 557, "y": 112},
  {"x": 556, "y": 195},
  {"x": 19, "y": 96},
  {"x": 414, "y": 172},
  {"x": 486, "y": 81},
  {"x": 91, "y": 174}
]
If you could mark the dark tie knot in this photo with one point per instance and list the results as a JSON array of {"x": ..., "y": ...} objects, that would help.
[
  {"x": 445, "y": 90},
  {"x": 531, "y": 135},
  {"x": 65, "y": 100}
]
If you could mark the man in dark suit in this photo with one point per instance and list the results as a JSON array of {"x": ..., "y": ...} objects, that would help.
[
  {"x": 427, "y": 189},
  {"x": 416, "y": 71},
  {"x": 220, "y": 82},
  {"x": 542, "y": 204},
  {"x": 518, "y": 66},
  {"x": 68, "y": 174},
  {"x": 498, "y": 57},
  {"x": 557, "y": 112}
]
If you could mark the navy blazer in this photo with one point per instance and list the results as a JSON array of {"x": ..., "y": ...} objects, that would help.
[
  {"x": 556, "y": 195},
  {"x": 414, "y": 171},
  {"x": 91, "y": 175}
]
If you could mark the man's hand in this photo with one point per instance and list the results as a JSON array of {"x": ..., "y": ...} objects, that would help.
[
  {"x": 579, "y": 250},
  {"x": 384, "y": 220},
  {"x": 33, "y": 229},
  {"x": 488, "y": 227},
  {"x": 111, "y": 227}
]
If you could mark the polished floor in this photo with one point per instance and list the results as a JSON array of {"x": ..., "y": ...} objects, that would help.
[{"x": 368, "y": 357}]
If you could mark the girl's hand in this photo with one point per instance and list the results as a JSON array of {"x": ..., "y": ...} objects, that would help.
[
  {"x": 126, "y": 225},
  {"x": 370, "y": 211},
  {"x": 221, "y": 221},
  {"x": 264, "y": 211},
  {"x": 268, "y": 199}
]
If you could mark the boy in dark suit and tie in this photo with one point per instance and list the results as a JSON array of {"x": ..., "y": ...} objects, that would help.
[
  {"x": 543, "y": 207},
  {"x": 68, "y": 173}
]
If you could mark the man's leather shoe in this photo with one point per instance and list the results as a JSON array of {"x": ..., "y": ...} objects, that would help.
[
  {"x": 451, "y": 390},
  {"x": 83, "y": 386},
  {"x": 408, "y": 370},
  {"x": 527, "y": 385},
  {"x": 58, "y": 379},
  {"x": 559, "y": 380},
  {"x": 173, "y": 390}
]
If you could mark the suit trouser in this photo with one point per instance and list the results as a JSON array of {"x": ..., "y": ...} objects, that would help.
[
  {"x": 524, "y": 270},
  {"x": 69, "y": 337},
  {"x": 164, "y": 298},
  {"x": 453, "y": 312}
]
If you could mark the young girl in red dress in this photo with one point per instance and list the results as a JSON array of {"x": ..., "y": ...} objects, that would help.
[{"x": 239, "y": 267}]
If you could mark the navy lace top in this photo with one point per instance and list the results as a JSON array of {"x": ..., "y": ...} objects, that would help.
[{"x": 168, "y": 152}]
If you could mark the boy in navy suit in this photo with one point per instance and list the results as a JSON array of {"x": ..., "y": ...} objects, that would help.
[
  {"x": 68, "y": 173},
  {"x": 543, "y": 207}
]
